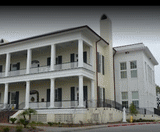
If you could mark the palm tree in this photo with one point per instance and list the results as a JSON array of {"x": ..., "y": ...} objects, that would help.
[{"x": 30, "y": 112}]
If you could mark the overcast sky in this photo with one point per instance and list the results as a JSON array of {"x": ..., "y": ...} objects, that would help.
[{"x": 130, "y": 24}]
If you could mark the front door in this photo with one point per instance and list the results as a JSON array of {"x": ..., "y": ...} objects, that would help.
[{"x": 13, "y": 99}]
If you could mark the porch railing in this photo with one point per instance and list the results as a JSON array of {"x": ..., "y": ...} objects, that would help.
[
  {"x": 68, "y": 65},
  {"x": 17, "y": 72},
  {"x": 2, "y": 74},
  {"x": 57, "y": 104},
  {"x": 71, "y": 65},
  {"x": 40, "y": 69}
]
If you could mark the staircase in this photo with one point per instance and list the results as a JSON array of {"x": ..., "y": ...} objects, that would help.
[{"x": 5, "y": 114}]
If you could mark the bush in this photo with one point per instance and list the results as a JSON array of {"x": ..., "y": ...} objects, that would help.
[
  {"x": 24, "y": 122},
  {"x": 50, "y": 123},
  {"x": 132, "y": 109},
  {"x": 19, "y": 128},
  {"x": 6, "y": 129},
  {"x": 13, "y": 120}
]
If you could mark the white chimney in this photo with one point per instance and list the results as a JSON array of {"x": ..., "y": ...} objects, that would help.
[{"x": 106, "y": 28}]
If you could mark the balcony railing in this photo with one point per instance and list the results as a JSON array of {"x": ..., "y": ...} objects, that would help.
[
  {"x": 17, "y": 72},
  {"x": 41, "y": 69},
  {"x": 2, "y": 74},
  {"x": 68, "y": 65}
]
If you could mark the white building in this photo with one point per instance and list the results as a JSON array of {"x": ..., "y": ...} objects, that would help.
[
  {"x": 63, "y": 73},
  {"x": 134, "y": 76},
  {"x": 71, "y": 68}
]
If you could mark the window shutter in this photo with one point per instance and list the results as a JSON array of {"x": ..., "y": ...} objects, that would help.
[
  {"x": 8, "y": 97},
  {"x": 0, "y": 68},
  {"x": 102, "y": 64},
  {"x": 104, "y": 94},
  {"x": 17, "y": 99},
  {"x": 85, "y": 93},
  {"x": 85, "y": 57},
  {"x": 98, "y": 67},
  {"x": 72, "y": 57},
  {"x": 59, "y": 59},
  {"x": 48, "y": 95},
  {"x": 18, "y": 66},
  {"x": 59, "y": 94},
  {"x": 72, "y": 93},
  {"x": 48, "y": 61}
]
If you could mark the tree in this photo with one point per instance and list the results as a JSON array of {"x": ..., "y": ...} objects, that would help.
[
  {"x": 132, "y": 109},
  {"x": 31, "y": 111},
  {"x": 157, "y": 89},
  {"x": 25, "y": 113}
]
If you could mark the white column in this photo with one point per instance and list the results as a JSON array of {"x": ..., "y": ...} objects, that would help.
[
  {"x": 53, "y": 56},
  {"x": 80, "y": 53},
  {"x": 7, "y": 64},
  {"x": 52, "y": 87},
  {"x": 92, "y": 93},
  {"x": 29, "y": 58},
  {"x": 27, "y": 95},
  {"x": 81, "y": 91},
  {"x": 6, "y": 95}
]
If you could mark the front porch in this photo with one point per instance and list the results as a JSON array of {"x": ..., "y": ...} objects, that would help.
[{"x": 67, "y": 92}]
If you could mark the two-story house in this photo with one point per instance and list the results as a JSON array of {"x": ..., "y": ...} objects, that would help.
[{"x": 70, "y": 68}]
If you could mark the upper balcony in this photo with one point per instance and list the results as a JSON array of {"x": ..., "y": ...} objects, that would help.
[{"x": 55, "y": 57}]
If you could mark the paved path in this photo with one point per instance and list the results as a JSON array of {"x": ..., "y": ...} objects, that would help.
[
  {"x": 134, "y": 128},
  {"x": 90, "y": 128}
]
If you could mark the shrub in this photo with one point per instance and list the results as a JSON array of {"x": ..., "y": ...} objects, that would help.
[
  {"x": 24, "y": 122},
  {"x": 6, "y": 129},
  {"x": 132, "y": 109},
  {"x": 50, "y": 123},
  {"x": 13, "y": 120},
  {"x": 19, "y": 128}
]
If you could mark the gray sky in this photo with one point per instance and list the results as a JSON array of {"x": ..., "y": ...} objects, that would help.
[{"x": 130, "y": 24}]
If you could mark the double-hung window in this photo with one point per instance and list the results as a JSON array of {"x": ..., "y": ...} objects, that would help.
[
  {"x": 133, "y": 67},
  {"x": 135, "y": 98},
  {"x": 125, "y": 99},
  {"x": 123, "y": 70}
]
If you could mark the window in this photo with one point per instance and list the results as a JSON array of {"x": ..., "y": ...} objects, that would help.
[
  {"x": 135, "y": 95},
  {"x": 135, "y": 98},
  {"x": 136, "y": 103},
  {"x": 100, "y": 63},
  {"x": 58, "y": 94},
  {"x": 149, "y": 74},
  {"x": 146, "y": 70},
  {"x": 15, "y": 67},
  {"x": 124, "y": 95},
  {"x": 125, "y": 104},
  {"x": 133, "y": 73},
  {"x": 123, "y": 74},
  {"x": 125, "y": 99},
  {"x": 13, "y": 98},
  {"x": 133, "y": 65},
  {"x": 123, "y": 68}
]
